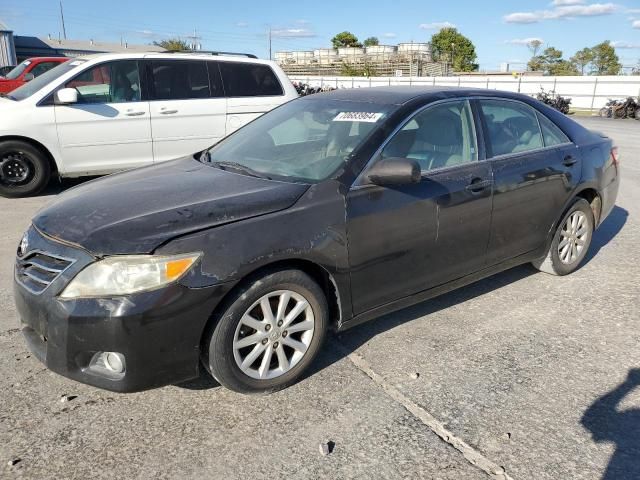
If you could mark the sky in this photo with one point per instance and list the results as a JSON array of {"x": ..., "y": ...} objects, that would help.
[{"x": 499, "y": 29}]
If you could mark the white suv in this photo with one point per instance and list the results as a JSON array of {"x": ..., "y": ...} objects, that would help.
[{"x": 104, "y": 113}]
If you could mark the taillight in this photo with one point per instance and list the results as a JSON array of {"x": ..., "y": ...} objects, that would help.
[{"x": 615, "y": 156}]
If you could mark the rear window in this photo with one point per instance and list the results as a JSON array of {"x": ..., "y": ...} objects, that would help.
[
  {"x": 249, "y": 80},
  {"x": 179, "y": 80}
]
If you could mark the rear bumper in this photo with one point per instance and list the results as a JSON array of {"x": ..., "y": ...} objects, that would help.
[{"x": 609, "y": 193}]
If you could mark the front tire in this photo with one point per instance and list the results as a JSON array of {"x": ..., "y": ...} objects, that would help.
[
  {"x": 269, "y": 333},
  {"x": 570, "y": 242},
  {"x": 24, "y": 169}
]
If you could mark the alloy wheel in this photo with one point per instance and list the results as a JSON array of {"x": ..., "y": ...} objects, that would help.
[
  {"x": 573, "y": 237},
  {"x": 273, "y": 335}
]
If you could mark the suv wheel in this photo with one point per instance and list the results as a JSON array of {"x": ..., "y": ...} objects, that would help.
[
  {"x": 24, "y": 169},
  {"x": 570, "y": 242},
  {"x": 269, "y": 334}
]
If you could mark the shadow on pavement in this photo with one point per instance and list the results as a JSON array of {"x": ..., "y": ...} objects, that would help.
[
  {"x": 607, "y": 231},
  {"x": 609, "y": 424},
  {"x": 58, "y": 186}
]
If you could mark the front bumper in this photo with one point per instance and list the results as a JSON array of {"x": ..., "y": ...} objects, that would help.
[{"x": 158, "y": 332}]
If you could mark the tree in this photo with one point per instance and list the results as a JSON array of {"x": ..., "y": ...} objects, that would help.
[
  {"x": 563, "y": 67},
  {"x": 449, "y": 45},
  {"x": 605, "y": 61},
  {"x": 371, "y": 42},
  {"x": 582, "y": 58},
  {"x": 345, "y": 39},
  {"x": 534, "y": 46},
  {"x": 173, "y": 45},
  {"x": 546, "y": 61},
  {"x": 550, "y": 62}
]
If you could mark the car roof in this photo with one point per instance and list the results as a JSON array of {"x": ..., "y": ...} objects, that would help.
[
  {"x": 173, "y": 56},
  {"x": 401, "y": 94},
  {"x": 48, "y": 59}
]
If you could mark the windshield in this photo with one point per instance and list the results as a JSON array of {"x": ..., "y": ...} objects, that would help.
[
  {"x": 16, "y": 72},
  {"x": 38, "y": 83},
  {"x": 305, "y": 140}
]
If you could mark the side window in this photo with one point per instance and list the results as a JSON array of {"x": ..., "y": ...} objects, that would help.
[
  {"x": 112, "y": 82},
  {"x": 249, "y": 80},
  {"x": 551, "y": 133},
  {"x": 179, "y": 79},
  {"x": 215, "y": 80},
  {"x": 512, "y": 127},
  {"x": 42, "y": 68},
  {"x": 440, "y": 136}
]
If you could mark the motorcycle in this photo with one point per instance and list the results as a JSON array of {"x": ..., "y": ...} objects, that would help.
[
  {"x": 628, "y": 108},
  {"x": 554, "y": 100},
  {"x": 305, "y": 89}
]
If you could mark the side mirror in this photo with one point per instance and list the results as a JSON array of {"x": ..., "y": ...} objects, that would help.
[
  {"x": 66, "y": 96},
  {"x": 395, "y": 171},
  {"x": 28, "y": 77}
]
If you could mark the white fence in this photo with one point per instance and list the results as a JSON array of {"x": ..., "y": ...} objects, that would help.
[{"x": 585, "y": 92}]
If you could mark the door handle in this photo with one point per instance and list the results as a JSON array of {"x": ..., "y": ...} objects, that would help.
[
  {"x": 569, "y": 160},
  {"x": 477, "y": 185},
  {"x": 134, "y": 114},
  {"x": 168, "y": 112}
]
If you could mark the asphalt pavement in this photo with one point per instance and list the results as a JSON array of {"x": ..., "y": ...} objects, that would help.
[{"x": 522, "y": 375}]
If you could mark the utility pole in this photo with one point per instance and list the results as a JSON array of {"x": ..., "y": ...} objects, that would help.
[
  {"x": 270, "y": 57},
  {"x": 64, "y": 30}
]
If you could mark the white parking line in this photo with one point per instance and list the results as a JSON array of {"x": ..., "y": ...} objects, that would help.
[{"x": 472, "y": 455}]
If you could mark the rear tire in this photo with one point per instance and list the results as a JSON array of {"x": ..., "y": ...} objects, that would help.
[
  {"x": 24, "y": 169},
  {"x": 571, "y": 241},
  {"x": 259, "y": 343}
]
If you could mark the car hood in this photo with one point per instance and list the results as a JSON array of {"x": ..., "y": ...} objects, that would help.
[{"x": 136, "y": 211}]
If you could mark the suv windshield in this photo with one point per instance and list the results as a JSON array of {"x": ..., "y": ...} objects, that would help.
[
  {"x": 305, "y": 140},
  {"x": 37, "y": 83}
]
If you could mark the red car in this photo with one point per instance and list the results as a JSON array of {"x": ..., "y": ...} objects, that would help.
[{"x": 27, "y": 71}]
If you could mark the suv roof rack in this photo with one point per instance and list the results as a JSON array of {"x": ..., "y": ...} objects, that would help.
[{"x": 212, "y": 52}]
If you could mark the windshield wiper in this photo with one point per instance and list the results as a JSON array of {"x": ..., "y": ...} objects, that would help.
[{"x": 238, "y": 167}]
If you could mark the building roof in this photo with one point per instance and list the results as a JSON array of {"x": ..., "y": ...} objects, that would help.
[{"x": 88, "y": 46}]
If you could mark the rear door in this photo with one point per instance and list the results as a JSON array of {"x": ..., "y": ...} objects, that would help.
[
  {"x": 535, "y": 168},
  {"x": 252, "y": 89},
  {"x": 409, "y": 238},
  {"x": 109, "y": 128},
  {"x": 188, "y": 108}
]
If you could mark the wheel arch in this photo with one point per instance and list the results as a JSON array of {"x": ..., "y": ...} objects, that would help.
[
  {"x": 592, "y": 196},
  {"x": 588, "y": 193},
  {"x": 36, "y": 144},
  {"x": 318, "y": 273}
]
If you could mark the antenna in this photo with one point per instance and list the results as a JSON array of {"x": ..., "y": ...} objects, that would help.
[{"x": 64, "y": 30}]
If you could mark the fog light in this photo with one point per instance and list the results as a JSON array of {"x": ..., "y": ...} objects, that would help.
[
  {"x": 108, "y": 364},
  {"x": 114, "y": 362}
]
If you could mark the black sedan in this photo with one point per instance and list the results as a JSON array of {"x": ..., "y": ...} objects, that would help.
[{"x": 329, "y": 211}]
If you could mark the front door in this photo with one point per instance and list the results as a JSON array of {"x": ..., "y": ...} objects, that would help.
[
  {"x": 188, "y": 108},
  {"x": 409, "y": 238},
  {"x": 109, "y": 128}
]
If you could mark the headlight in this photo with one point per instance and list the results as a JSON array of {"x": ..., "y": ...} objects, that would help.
[{"x": 122, "y": 275}]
